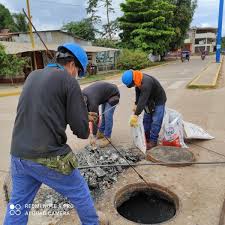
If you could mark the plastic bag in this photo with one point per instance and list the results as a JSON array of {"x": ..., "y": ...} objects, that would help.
[
  {"x": 172, "y": 129},
  {"x": 193, "y": 131},
  {"x": 138, "y": 135}
]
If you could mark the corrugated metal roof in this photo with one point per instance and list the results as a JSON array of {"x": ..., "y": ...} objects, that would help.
[{"x": 15, "y": 47}]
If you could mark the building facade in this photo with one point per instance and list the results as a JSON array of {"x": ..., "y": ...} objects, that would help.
[{"x": 201, "y": 39}]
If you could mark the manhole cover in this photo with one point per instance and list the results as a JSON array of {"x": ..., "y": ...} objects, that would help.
[
  {"x": 144, "y": 204},
  {"x": 166, "y": 154}
]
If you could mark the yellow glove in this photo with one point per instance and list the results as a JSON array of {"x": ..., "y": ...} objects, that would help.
[{"x": 133, "y": 121}]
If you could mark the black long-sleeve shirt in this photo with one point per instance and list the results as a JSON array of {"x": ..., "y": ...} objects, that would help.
[
  {"x": 150, "y": 92},
  {"x": 50, "y": 100},
  {"x": 99, "y": 93}
]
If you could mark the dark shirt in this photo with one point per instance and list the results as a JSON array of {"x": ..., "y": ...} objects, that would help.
[
  {"x": 150, "y": 93},
  {"x": 50, "y": 100},
  {"x": 99, "y": 93}
]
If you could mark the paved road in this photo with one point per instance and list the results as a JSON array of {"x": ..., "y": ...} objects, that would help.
[{"x": 173, "y": 77}]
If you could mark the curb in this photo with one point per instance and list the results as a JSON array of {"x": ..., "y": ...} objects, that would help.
[
  {"x": 12, "y": 93},
  {"x": 15, "y": 93},
  {"x": 212, "y": 85}
]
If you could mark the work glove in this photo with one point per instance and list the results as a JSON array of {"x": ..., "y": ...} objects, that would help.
[
  {"x": 133, "y": 121},
  {"x": 93, "y": 117},
  {"x": 134, "y": 108}
]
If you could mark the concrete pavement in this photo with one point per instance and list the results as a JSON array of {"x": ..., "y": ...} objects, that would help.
[
  {"x": 208, "y": 77},
  {"x": 200, "y": 189},
  {"x": 193, "y": 104}
]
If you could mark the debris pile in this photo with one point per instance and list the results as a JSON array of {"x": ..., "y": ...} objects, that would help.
[{"x": 98, "y": 179}]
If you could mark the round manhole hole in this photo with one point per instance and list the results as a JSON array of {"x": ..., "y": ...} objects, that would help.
[
  {"x": 167, "y": 154},
  {"x": 144, "y": 204}
]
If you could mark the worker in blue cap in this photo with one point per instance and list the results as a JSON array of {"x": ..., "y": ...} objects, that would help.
[
  {"x": 150, "y": 97},
  {"x": 51, "y": 99}
]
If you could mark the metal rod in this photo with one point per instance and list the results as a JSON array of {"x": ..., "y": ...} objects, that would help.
[
  {"x": 153, "y": 164},
  {"x": 207, "y": 149},
  {"x": 38, "y": 34}
]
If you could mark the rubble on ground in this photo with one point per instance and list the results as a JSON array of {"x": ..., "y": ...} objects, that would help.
[{"x": 98, "y": 179}]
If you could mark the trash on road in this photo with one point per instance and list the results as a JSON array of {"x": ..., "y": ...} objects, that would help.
[
  {"x": 192, "y": 131},
  {"x": 172, "y": 129}
]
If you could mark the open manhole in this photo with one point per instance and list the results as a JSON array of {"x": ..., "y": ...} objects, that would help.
[
  {"x": 167, "y": 154},
  {"x": 144, "y": 204}
]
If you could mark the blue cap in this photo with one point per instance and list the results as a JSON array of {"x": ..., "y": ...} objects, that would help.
[{"x": 127, "y": 77}]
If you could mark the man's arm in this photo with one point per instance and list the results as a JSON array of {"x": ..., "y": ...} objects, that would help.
[
  {"x": 76, "y": 110},
  {"x": 137, "y": 95},
  {"x": 143, "y": 98}
]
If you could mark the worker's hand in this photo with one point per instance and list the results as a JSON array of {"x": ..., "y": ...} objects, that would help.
[
  {"x": 93, "y": 117},
  {"x": 133, "y": 121},
  {"x": 134, "y": 108}
]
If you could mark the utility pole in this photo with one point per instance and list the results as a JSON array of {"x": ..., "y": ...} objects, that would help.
[
  {"x": 31, "y": 34},
  {"x": 219, "y": 32}
]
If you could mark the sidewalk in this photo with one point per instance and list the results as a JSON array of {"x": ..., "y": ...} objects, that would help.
[
  {"x": 7, "y": 90},
  {"x": 200, "y": 189},
  {"x": 208, "y": 77}
]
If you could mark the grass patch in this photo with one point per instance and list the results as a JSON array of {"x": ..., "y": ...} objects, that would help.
[
  {"x": 105, "y": 76},
  {"x": 97, "y": 77}
]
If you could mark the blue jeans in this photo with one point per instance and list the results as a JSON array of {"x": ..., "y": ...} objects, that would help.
[
  {"x": 153, "y": 122},
  {"x": 107, "y": 120},
  {"x": 27, "y": 177}
]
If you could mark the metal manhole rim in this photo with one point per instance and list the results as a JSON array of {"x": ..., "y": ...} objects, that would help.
[
  {"x": 150, "y": 158},
  {"x": 140, "y": 186}
]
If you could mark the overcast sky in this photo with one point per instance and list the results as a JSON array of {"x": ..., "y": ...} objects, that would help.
[{"x": 52, "y": 14}]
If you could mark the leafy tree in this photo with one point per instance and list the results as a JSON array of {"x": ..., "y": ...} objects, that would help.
[
  {"x": 104, "y": 42},
  {"x": 6, "y": 62},
  {"x": 83, "y": 29},
  {"x": 223, "y": 43},
  {"x": 114, "y": 28},
  {"x": 92, "y": 10},
  {"x": 132, "y": 59},
  {"x": 147, "y": 25},
  {"x": 109, "y": 9},
  {"x": 21, "y": 25},
  {"x": 183, "y": 15},
  {"x": 6, "y": 19}
]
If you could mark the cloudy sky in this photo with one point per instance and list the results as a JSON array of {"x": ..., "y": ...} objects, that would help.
[{"x": 52, "y": 14}]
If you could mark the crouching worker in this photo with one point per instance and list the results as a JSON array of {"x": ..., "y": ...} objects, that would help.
[
  {"x": 107, "y": 95},
  {"x": 51, "y": 99},
  {"x": 150, "y": 97}
]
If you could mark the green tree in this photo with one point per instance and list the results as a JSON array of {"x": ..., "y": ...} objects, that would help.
[
  {"x": 92, "y": 11},
  {"x": 147, "y": 25},
  {"x": 6, "y": 19},
  {"x": 104, "y": 42},
  {"x": 223, "y": 43},
  {"x": 132, "y": 59},
  {"x": 183, "y": 15},
  {"x": 21, "y": 25},
  {"x": 6, "y": 62},
  {"x": 83, "y": 29},
  {"x": 109, "y": 9}
]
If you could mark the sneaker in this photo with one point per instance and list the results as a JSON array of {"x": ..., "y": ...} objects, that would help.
[
  {"x": 150, "y": 145},
  {"x": 100, "y": 135},
  {"x": 104, "y": 142}
]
